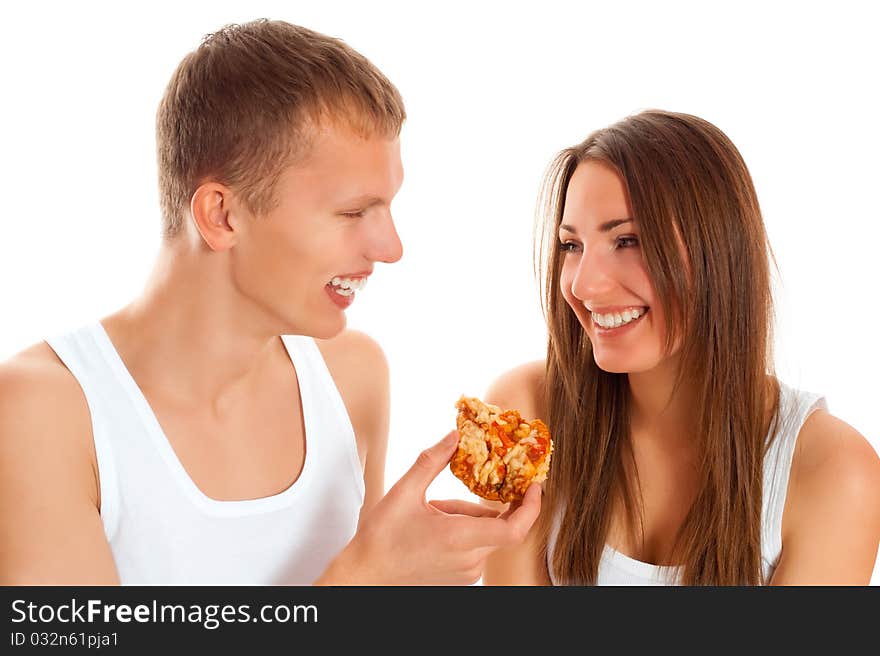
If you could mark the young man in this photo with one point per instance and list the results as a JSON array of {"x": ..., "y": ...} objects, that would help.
[{"x": 182, "y": 439}]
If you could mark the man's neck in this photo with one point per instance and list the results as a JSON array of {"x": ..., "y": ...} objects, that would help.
[{"x": 191, "y": 327}]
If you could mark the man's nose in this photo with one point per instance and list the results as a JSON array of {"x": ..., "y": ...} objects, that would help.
[{"x": 387, "y": 246}]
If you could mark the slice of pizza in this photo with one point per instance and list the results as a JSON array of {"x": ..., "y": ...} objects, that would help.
[{"x": 499, "y": 454}]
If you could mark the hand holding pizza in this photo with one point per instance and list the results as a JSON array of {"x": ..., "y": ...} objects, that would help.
[{"x": 405, "y": 539}]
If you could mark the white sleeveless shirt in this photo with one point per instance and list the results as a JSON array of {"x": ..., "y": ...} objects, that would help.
[
  {"x": 164, "y": 530},
  {"x": 795, "y": 406}
]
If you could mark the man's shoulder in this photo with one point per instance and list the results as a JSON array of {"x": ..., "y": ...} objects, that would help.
[
  {"x": 353, "y": 352},
  {"x": 49, "y": 492},
  {"x": 358, "y": 366},
  {"x": 45, "y": 424},
  {"x": 35, "y": 379}
]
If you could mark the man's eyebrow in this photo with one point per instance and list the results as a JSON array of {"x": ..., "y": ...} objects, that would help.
[
  {"x": 605, "y": 227},
  {"x": 364, "y": 201}
]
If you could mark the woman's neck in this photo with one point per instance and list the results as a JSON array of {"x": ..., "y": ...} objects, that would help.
[{"x": 657, "y": 410}]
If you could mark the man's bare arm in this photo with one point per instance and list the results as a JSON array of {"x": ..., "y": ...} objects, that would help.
[
  {"x": 360, "y": 371},
  {"x": 50, "y": 527}
]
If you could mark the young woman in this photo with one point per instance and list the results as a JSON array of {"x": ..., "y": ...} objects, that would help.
[{"x": 679, "y": 457}]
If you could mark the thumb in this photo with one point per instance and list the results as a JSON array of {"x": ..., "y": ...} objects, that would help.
[{"x": 430, "y": 462}]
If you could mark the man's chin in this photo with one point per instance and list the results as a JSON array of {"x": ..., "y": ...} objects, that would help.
[
  {"x": 326, "y": 327},
  {"x": 327, "y": 330}
]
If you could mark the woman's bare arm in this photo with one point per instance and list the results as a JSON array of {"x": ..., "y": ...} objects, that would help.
[{"x": 831, "y": 523}]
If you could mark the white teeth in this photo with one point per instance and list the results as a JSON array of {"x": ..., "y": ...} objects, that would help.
[
  {"x": 348, "y": 284},
  {"x": 617, "y": 319}
]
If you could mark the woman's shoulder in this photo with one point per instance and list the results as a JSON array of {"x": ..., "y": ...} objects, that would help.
[
  {"x": 831, "y": 453},
  {"x": 832, "y": 512},
  {"x": 521, "y": 389}
]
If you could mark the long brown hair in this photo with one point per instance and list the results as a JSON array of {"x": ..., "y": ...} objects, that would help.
[{"x": 688, "y": 187}]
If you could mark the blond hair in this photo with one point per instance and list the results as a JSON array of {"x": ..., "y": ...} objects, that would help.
[{"x": 243, "y": 105}]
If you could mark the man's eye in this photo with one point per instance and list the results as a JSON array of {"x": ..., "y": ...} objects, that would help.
[
  {"x": 627, "y": 242},
  {"x": 355, "y": 215}
]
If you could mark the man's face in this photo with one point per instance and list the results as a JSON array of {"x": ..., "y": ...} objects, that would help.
[{"x": 303, "y": 261}]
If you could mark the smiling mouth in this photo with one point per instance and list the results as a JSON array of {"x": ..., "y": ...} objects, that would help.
[{"x": 618, "y": 319}]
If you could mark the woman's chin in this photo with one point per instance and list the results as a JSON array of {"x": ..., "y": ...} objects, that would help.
[
  {"x": 627, "y": 365},
  {"x": 612, "y": 368},
  {"x": 618, "y": 365}
]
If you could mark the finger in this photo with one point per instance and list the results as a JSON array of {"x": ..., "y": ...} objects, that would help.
[
  {"x": 508, "y": 529},
  {"x": 430, "y": 462},
  {"x": 520, "y": 518},
  {"x": 511, "y": 507},
  {"x": 459, "y": 507}
]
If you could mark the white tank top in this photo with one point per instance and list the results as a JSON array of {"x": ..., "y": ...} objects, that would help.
[
  {"x": 163, "y": 529},
  {"x": 795, "y": 406}
]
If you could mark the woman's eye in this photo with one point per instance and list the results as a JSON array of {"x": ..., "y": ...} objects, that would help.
[
  {"x": 627, "y": 242},
  {"x": 355, "y": 215},
  {"x": 567, "y": 246}
]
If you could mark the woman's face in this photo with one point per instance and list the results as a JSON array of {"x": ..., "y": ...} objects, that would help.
[{"x": 604, "y": 277}]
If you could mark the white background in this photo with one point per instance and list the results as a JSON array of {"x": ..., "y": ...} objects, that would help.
[{"x": 493, "y": 91}]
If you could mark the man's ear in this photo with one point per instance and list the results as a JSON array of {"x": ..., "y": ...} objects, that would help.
[{"x": 210, "y": 207}]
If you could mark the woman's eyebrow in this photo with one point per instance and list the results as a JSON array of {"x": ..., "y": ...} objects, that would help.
[
  {"x": 605, "y": 227},
  {"x": 611, "y": 225}
]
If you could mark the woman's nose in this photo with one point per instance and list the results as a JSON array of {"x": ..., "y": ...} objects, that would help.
[{"x": 592, "y": 281}]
